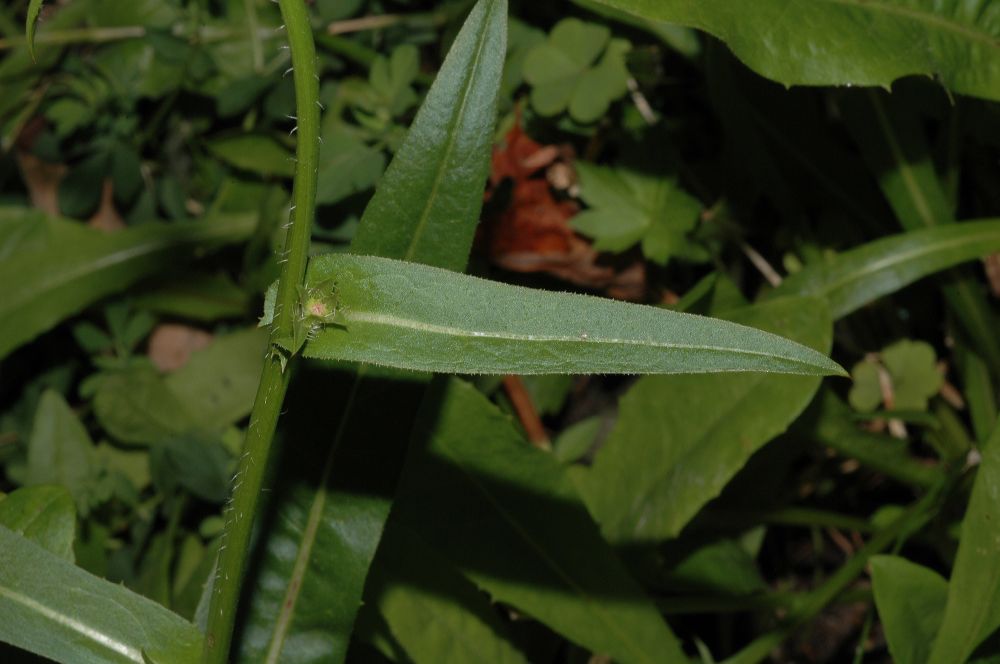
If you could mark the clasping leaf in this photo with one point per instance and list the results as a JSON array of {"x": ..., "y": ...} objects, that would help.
[{"x": 424, "y": 318}]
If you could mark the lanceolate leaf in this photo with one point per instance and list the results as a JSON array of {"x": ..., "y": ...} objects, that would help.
[
  {"x": 31, "y": 24},
  {"x": 507, "y": 515},
  {"x": 973, "y": 609},
  {"x": 420, "y": 211},
  {"x": 412, "y": 316},
  {"x": 54, "y": 609},
  {"x": 336, "y": 490},
  {"x": 866, "y": 273},
  {"x": 892, "y": 140},
  {"x": 680, "y": 439},
  {"x": 855, "y": 42},
  {"x": 57, "y": 267}
]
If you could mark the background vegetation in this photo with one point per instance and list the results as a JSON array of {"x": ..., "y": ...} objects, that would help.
[{"x": 797, "y": 167}]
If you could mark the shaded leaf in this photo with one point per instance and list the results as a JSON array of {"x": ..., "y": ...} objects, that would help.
[
  {"x": 507, "y": 515},
  {"x": 255, "y": 153},
  {"x": 31, "y": 24},
  {"x": 973, "y": 609},
  {"x": 824, "y": 42},
  {"x": 419, "y": 317},
  {"x": 59, "y": 611},
  {"x": 60, "y": 450},
  {"x": 71, "y": 266},
  {"x": 430, "y": 609},
  {"x": 861, "y": 275},
  {"x": 627, "y": 207},
  {"x": 910, "y": 601},
  {"x": 680, "y": 439}
]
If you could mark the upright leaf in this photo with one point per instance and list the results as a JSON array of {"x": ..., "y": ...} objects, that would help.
[
  {"x": 973, "y": 609},
  {"x": 680, "y": 439},
  {"x": 60, "y": 450},
  {"x": 31, "y": 24},
  {"x": 508, "y": 516},
  {"x": 65, "y": 266},
  {"x": 910, "y": 600},
  {"x": 426, "y": 206},
  {"x": 54, "y": 609},
  {"x": 335, "y": 492},
  {"x": 863, "y": 274},
  {"x": 832, "y": 42},
  {"x": 423, "y": 318}
]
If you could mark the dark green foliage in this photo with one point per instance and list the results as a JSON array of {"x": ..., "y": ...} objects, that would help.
[{"x": 167, "y": 277}]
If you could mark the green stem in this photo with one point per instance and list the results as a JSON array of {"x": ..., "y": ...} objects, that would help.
[
  {"x": 908, "y": 523},
  {"x": 234, "y": 550}
]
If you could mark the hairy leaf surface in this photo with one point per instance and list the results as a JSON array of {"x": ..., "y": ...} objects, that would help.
[
  {"x": 423, "y": 318},
  {"x": 61, "y": 612}
]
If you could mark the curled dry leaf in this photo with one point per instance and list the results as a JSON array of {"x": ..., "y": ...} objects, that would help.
[
  {"x": 532, "y": 233},
  {"x": 171, "y": 345}
]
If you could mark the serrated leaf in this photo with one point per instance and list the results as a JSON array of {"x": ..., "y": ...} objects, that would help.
[
  {"x": 627, "y": 207},
  {"x": 910, "y": 601},
  {"x": 680, "y": 439},
  {"x": 59, "y": 611},
  {"x": 423, "y": 318},
  {"x": 972, "y": 612},
  {"x": 74, "y": 266},
  {"x": 507, "y": 515},
  {"x": 43, "y": 514},
  {"x": 832, "y": 42},
  {"x": 858, "y": 276}
]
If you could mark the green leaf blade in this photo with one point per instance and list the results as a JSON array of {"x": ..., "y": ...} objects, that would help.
[
  {"x": 862, "y": 275},
  {"x": 679, "y": 439},
  {"x": 31, "y": 25},
  {"x": 508, "y": 517},
  {"x": 57, "y": 610},
  {"x": 421, "y": 208},
  {"x": 910, "y": 601},
  {"x": 427, "y": 319},
  {"x": 70, "y": 266},
  {"x": 841, "y": 42},
  {"x": 972, "y": 612}
]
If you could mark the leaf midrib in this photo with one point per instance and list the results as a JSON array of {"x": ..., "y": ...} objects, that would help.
[
  {"x": 913, "y": 255},
  {"x": 92, "y": 634},
  {"x": 168, "y": 240},
  {"x": 391, "y": 321},
  {"x": 456, "y": 121}
]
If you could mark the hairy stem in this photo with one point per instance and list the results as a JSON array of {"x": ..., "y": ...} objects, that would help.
[{"x": 234, "y": 551}]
